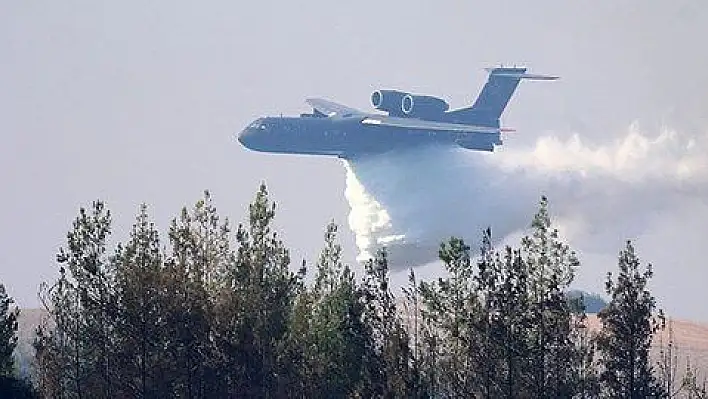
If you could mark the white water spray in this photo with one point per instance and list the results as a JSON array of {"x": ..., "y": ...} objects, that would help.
[{"x": 412, "y": 201}]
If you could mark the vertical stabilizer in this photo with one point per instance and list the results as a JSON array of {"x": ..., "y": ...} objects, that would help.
[
  {"x": 495, "y": 95},
  {"x": 497, "y": 92}
]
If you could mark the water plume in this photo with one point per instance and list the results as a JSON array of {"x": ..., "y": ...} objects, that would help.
[{"x": 410, "y": 201}]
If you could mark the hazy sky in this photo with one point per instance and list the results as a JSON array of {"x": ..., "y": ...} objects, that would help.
[{"x": 132, "y": 102}]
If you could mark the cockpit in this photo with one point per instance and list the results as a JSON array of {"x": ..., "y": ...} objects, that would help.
[
  {"x": 258, "y": 124},
  {"x": 250, "y": 136}
]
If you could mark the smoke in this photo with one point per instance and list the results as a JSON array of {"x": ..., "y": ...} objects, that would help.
[{"x": 411, "y": 201}]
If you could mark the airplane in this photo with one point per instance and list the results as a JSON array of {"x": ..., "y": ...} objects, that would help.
[{"x": 408, "y": 120}]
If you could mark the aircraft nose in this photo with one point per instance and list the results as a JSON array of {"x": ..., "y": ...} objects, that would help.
[
  {"x": 250, "y": 136},
  {"x": 241, "y": 136},
  {"x": 245, "y": 136}
]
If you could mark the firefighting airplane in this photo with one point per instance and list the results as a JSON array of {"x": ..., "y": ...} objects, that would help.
[{"x": 411, "y": 120}]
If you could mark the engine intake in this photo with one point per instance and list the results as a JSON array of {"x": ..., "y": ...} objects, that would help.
[
  {"x": 423, "y": 106},
  {"x": 388, "y": 101}
]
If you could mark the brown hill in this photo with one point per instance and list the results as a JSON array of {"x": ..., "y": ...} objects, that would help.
[{"x": 690, "y": 344}]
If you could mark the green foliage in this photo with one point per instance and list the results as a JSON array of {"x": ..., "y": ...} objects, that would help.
[
  {"x": 551, "y": 268},
  {"x": 422, "y": 376},
  {"x": 695, "y": 386},
  {"x": 505, "y": 326},
  {"x": 390, "y": 364},
  {"x": 216, "y": 312},
  {"x": 10, "y": 385},
  {"x": 339, "y": 339},
  {"x": 197, "y": 251},
  {"x": 504, "y": 283},
  {"x": 17, "y": 388},
  {"x": 447, "y": 306},
  {"x": 355, "y": 341},
  {"x": 8, "y": 333},
  {"x": 138, "y": 313},
  {"x": 628, "y": 324},
  {"x": 73, "y": 354}
]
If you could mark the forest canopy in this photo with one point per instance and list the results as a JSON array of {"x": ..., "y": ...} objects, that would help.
[{"x": 208, "y": 309}]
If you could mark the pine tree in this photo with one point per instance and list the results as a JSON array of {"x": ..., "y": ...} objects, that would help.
[
  {"x": 551, "y": 268},
  {"x": 139, "y": 310},
  {"x": 414, "y": 327},
  {"x": 447, "y": 308},
  {"x": 205, "y": 318},
  {"x": 391, "y": 365},
  {"x": 334, "y": 285},
  {"x": 507, "y": 327},
  {"x": 486, "y": 350},
  {"x": 11, "y": 386},
  {"x": 195, "y": 281},
  {"x": 510, "y": 324},
  {"x": 75, "y": 354},
  {"x": 668, "y": 363},
  {"x": 339, "y": 343},
  {"x": 329, "y": 266},
  {"x": 628, "y": 324},
  {"x": 694, "y": 386},
  {"x": 351, "y": 342},
  {"x": 8, "y": 333},
  {"x": 299, "y": 349},
  {"x": 585, "y": 365},
  {"x": 555, "y": 347},
  {"x": 259, "y": 299}
]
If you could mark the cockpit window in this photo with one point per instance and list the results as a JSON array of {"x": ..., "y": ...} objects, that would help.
[{"x": 258, "y": 124}]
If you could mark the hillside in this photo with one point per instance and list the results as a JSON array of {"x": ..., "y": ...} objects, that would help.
[{"x": 690, "y": 342}]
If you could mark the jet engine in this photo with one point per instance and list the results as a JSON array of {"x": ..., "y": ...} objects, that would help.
[
  {"x": 388, "y": 101},
  {"x": 423, "y": 106}
]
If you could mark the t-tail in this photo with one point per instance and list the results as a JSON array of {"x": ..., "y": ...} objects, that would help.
[{"x": 495, "y": 96}]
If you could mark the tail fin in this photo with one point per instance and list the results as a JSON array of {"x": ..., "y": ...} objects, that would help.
[{"x": 496, "y": 93}]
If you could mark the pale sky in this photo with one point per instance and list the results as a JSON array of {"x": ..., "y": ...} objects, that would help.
[{"x": 130, "y": 103}]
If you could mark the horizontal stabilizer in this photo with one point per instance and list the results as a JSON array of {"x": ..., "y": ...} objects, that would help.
[
  {"x": 518, "y": 73},
  {"x": 526, "y": 76}
]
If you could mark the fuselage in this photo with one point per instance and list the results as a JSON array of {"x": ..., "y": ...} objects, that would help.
[
  {"x": 347, "y": 137},
  {"x": 411, "y": 120}
]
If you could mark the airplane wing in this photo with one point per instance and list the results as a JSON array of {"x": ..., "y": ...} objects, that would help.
[
  {"x": 412, "y": 123},
  {"x": 331, "y": 108}
]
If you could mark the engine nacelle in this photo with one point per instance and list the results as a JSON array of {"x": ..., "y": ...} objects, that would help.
[
  {"x": 423, "y": 106},
  {"x": 388, "y": 101}
]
